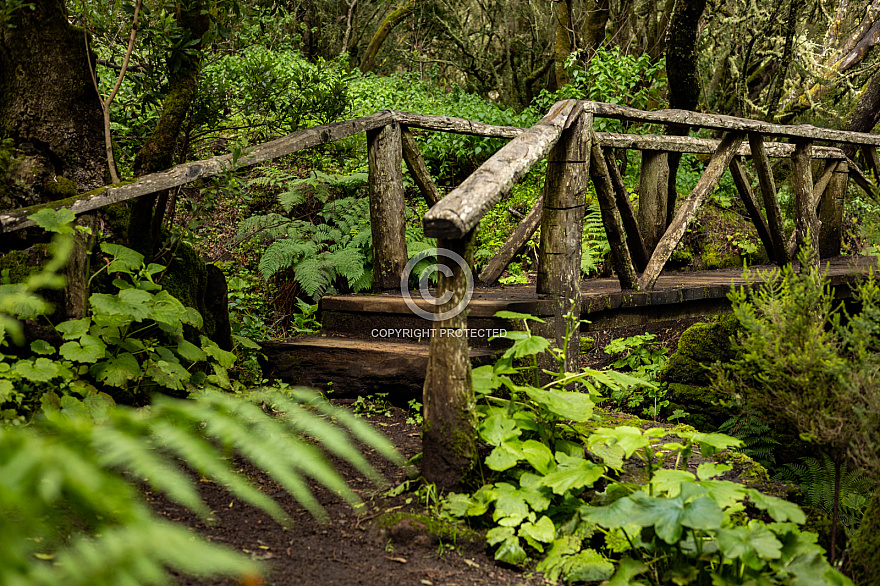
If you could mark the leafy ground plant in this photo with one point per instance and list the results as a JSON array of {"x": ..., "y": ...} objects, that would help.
[
  {"x": 555, "y": 490},
  {"x": 72, "y": 517}
]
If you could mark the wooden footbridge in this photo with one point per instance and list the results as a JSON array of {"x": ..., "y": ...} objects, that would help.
[{"x": 641, "y": 241}]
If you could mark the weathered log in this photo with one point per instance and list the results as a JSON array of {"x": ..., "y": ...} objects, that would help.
[
  {"x": 728, "y": 123},
  {"x": 189, "y": 172},
  {"x": 653, "y": 183},
  {"x": 634, "y": 240},
  {"x": 806, "y": 221},
  {"x": 707, "y": 146},
  {"x": 387, "y": 206},
  {"x": 76, "y": 294},
  {"x": 562, "y": 227},
  {"x": 831, "y": 212},
  {"x": 621, "y": 259},
  {"x": 754, "y": 210},
  {"x": 418, "y": 169},
  {"x": 526, "y": 228},
  {"x": 461, "y": 210},
  {"x": 768, "y": 194},
  {"x": 857, "y": 175},
  {"x": 449, "y": 440},
  {"x": 706, "y": 185},
  {"x": 456, "y": 125}
]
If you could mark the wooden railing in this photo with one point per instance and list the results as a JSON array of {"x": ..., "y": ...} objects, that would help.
[{"x": 640, "y": 242}]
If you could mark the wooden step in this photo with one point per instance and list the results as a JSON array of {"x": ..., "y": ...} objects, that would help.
[{"x": 353, "y": 366}]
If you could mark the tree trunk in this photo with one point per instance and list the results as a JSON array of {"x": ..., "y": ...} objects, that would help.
[
  {"x": 684, "y": 81},
  {"x": 563, "y": 43},
  {"x": 598, "y": 12},
  {"x": 48, "y": 107},
  {"x": 157, "y": 152},
  {"x": 394, "y": 18}
]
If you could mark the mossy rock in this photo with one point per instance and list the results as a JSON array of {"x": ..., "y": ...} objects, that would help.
[
  {"x": 704, "y": 407},
  {"x": 426, "y": 530},
  {"x": 60, "y": 188},
  {"x": 585, "y": 344},
  {"x": 700, "y": 346},
  {"x": 866, "y": 545},
  {"x": 203, "y": 287}
]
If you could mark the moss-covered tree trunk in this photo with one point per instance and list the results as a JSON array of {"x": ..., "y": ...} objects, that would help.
[
  {"x": 394, "y": 18},
  {"x": 563, "y": 43},
  {"x": 157, "y": 152},
  {"x": 48, "y": 107}
]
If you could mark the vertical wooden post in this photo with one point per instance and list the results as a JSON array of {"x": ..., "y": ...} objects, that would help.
[
  {"x": 768, "y": 192},
  {"x": 653, "y": 183},
  {"x": 831, "y": 212},
  {"x": 77, "y": 268},
  {"x": 806, "y": 222},
  {"x": 620, "y": 255},
  {"x": 449, "y": 441},
  {"x": 562, "y": 225},
  {"x": 387, "y": 206},
  {"x": 711, "y": 176},
  {"x": 748, "y": 198},
  {"x": 634, "y": 239}
]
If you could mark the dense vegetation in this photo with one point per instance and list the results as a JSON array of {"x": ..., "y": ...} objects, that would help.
[{"x": 146, "y": 375}]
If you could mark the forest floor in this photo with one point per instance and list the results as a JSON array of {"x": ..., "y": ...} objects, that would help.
[{"x": 361, "y": 548}]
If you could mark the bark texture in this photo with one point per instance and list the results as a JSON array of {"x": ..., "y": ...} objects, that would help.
[
  {"x": 157, "y": 153},
  {"x": 48, "y": 107}
]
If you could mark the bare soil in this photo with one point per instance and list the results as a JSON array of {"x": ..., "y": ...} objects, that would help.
[{"x": 351, "y": 548}]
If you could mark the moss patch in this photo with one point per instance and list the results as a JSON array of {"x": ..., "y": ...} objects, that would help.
[
  {"x": 700, "y": 346},
  {"x": 408, "y": 527}
]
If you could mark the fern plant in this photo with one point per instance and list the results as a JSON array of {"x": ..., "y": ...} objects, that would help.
[
  {"x": 815, "y": 477},
  {"x": 70, "y": 516},
  {"x": 594, "y": 247},
  {"x": 756, "y": 435}
]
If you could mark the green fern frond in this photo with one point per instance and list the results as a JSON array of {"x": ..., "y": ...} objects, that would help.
[
  {"x": 64, "y": 472},
  {"x": 347, "y": 262},
  {"x": 312, "y": 276}
]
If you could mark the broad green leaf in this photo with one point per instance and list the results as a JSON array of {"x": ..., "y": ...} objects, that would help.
[
  {"x": 780, "y": 509},
  {"x": 39, "y": 371},
  {"x": 51, "y": 220},
  {"x": 456, "y": 504},
  {"x": 496, "y": 535},
  {"x": 627, "y": 437},
  {"x": 191, "y": 317},
  {"x": 542, "y": 530},
  {"x": 498, "y": 428},
  {"x": 133, "y": 304},
  {"x": 168, "y": 374},
  {"x": 525, "y": 344},
  {"x": 510, "y": 505},
  {"x": 87, "y": 349},
  {"x": 711, "y": 443},
  {"x": 611, "y": 455},
  {"x": 669, "y": 481},
  {"x": 627, "y": 569},
  {"x": 504, "y": 314},
  {"x": 533, "y": 492},
  {"x": 484, "y": 379},
  {"x": 708, "y": 470},
  {"x": 224, "y": 358},
  {"x": 564, "y": 404},
  {"x": 588, "y": 566},
  {"x": 190, "y": 351},
  {"x": 538, "y": 455},
  {"x": 504, "y": 456},
  {"x": 42, "y": 347},
  {"x": 124, "y": 260},
  {"x": 246, "y": 342},
  {"x": 670, "y": 515},
  {"x": 572, "y": 474},
  {"x": 562, "y": 550},
  {"x": 118, "y": 370},
  {"x": 6, "y": 389},
  {"x": 617, "y": 514},
  {"x": 481, "y": 500},
  {"x": 511, "y": 552},
  {"x": 724, "y": 492},
  {"x": 751, "y": 544}
]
